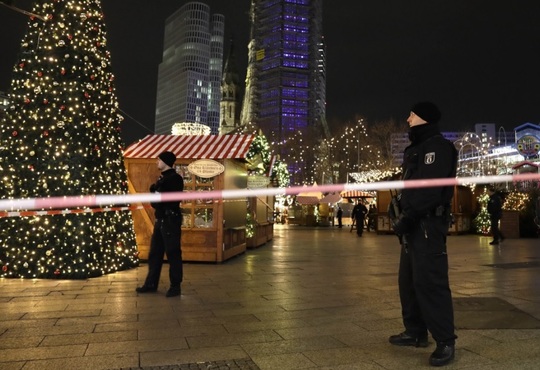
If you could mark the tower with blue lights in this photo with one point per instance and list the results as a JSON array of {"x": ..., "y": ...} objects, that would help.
[{"x": 286, "y": 77}]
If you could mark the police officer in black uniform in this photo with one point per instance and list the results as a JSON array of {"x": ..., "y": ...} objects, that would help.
[
  {"x": 167, "y": 230},
  {"x": 359, "y": 213},
  {"x": 494, "y": 208},
  {"x": 423, "y": 223}
]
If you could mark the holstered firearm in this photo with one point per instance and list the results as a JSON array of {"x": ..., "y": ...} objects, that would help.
[{"x": 394, "y": 210}]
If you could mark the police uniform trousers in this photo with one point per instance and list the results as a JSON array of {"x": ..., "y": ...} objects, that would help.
[
  {"x": 424, "y": 290},
  {"x": 360, "y": 225},
  {"x": 166, "y": 240},
  {"x": 495, "y": 231}
]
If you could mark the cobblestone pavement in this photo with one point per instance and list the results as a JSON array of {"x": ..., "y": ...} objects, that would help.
[
  {"x": 312, "y": 298},
  {"x": 238, "y": 364}
]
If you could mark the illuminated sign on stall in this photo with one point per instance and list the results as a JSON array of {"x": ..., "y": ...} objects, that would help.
[{"x": 528, "y": 146}]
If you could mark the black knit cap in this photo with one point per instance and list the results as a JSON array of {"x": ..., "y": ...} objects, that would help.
[
  {"x": 168, "y": 158},
  {"x": 427, "y": 111}
]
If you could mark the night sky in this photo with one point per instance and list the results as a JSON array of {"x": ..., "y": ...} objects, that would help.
[{"x": 478, "y": 60}]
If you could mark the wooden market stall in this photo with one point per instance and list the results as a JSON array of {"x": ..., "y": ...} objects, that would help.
[
  {"x": 462, "y": 209},
  {"x": 261, "y": 208},
  {"x": 212, "y": 231}
]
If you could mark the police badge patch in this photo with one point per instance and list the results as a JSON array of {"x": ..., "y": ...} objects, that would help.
[{"x": 429, "y": 158}]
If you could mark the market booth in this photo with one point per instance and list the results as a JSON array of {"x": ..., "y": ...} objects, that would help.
[
  {"x": 212, "y": 231},
  {"x": 262, "y": 214},
  {"x": 461, "y": 208}
]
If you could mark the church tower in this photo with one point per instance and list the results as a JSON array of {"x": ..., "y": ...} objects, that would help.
[{"x": 230, "y": 94}]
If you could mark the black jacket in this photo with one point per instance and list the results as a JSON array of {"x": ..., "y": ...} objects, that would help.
[
  {"x": 494, "y": 206},
  {"x": 428, "y": 156},
  {"x": 359, "y": 211},
  {"x": 169, "y": 181}
]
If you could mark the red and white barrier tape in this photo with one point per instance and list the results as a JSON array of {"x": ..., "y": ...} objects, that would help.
[
  {"x": 82, "y": 210},
  {"x": 62, "y": 204},
  {"x": 68, "y": 211}
]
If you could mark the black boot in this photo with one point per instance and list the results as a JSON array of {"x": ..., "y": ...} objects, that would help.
[
  {"x": 404, "y": 339},
  {"x": 146, "y": 289},
  {"x": 443, "y": 355},
  {"x": 173, "y": 292}
]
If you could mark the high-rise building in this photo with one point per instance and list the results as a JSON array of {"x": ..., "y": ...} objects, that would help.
[
  {"x": 286, "y": 77},
  {"x": 189, "y": 79}
]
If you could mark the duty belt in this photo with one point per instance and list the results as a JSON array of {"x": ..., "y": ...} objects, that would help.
[{"x": 439, "y": 211}]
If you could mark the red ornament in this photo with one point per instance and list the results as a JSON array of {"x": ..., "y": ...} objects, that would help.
[
  {"x": 119, "y": 129},
  {"x": 40, "y": 74},
  {"x": 45, "y": 101},
  {"x": 14, "y": 133},
  {"x": 70, "y": 37},
  {"x": 98, "y": 124},
  {"x": 86, "y": 95},
  {"x": 96, "y": 148},
  {"x": 27, "y": 101},
  {"x": 45, "y": 133},
  {"x": 21, "y": 65},
  {"x": 92, "y": 77},
  {"x": 50, "y": 16},
  {"x": 98, "y": 44},
  {"x": 57, "y": 272},
  {"x": 62, "y": 107},
  {"x": 63, "y": 71},
  {"x": 30, "y": 167},
  {"x": 4, "y": 268}
]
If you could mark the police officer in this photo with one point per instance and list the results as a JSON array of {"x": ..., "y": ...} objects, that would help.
[
  {"x": 359, "y": 214},
  {"x": 426, "y": 299},
  {"x": 494, "y": 208},
  {"x": 167, "y": 230}
]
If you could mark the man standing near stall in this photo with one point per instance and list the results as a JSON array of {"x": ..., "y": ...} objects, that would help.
[
  {"x": 359, "y": 213},
  {"x": 167, "y": 230}
]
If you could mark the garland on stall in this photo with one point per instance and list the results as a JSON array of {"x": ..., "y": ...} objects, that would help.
[{"x": 259, "y": 159}]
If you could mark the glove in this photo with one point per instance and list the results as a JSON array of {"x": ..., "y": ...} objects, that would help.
[{"x": 403, "y": 224}]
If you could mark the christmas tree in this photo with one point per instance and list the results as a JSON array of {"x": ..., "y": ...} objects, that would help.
[
  {"x": 60, "y": 137},
  {"x": 482, "y": 221}
]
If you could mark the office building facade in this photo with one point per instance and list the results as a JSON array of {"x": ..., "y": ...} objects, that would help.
[{"x": 189, "y": 77}]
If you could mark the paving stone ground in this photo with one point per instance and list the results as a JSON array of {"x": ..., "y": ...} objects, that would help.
[
  {"x": 312, "y": 298},
  {"x": 238, "y": 364}
]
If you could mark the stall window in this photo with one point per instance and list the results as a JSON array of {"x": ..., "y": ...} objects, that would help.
[{"x": 197, "y": 213}]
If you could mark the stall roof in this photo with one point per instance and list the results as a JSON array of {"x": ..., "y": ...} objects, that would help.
[
  {"x": 192, "y": 146},
  {"x": 356, "y": 194}
]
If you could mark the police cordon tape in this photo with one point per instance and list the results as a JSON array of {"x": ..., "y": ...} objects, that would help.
[
  {"x": 84, "y": 210},
  {"x": 68, "y": 211},
  {"x": 62, "y": 205}
]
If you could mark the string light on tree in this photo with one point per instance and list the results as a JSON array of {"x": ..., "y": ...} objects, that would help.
[{"x": 60, "y": 136}]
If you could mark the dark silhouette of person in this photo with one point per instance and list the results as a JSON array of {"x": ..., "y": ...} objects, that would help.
[
  {"x": 359, "y": 213},
  {"x": 494, "y": 208},
  {"x": 339, "y": 215},
  {"x": 372, "y": 217}
]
